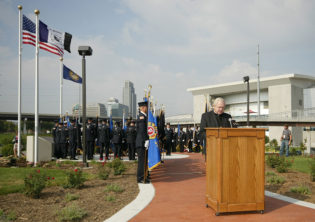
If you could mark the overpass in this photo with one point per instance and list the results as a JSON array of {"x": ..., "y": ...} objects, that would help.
[{"x": 302, "y": 118}]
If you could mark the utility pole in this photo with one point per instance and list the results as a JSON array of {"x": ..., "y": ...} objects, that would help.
[{"x": 258, "y": 83}]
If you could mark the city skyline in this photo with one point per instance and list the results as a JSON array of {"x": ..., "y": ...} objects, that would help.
[{"x": 172, "y": 45}]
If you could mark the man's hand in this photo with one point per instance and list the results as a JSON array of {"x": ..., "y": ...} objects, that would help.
[{"x": 146, "y": 144}]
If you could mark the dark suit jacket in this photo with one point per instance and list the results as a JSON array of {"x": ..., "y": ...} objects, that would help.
[
  {"x": 142, "y": 130},
  {"x": 211, "y": 119}
]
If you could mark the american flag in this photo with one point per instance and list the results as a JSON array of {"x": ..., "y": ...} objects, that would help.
[{"x": 29, "y": 37}]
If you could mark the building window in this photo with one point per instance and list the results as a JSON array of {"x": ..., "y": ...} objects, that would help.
[
  {"x": 300, "y": 102},
  {"x": 266, "y": 105}
]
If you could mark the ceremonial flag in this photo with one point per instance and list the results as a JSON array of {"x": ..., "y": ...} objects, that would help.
[
  {"x": 50, "y": 40},
  {"x": 124, "y": 123},
  {"x": 178, "y": 130},
  {"x": 111, "y": 123},
  {"x": 70, "y": 75},
  {"x": 68, "y": 121},
  {"x": 154, "y": 158}
]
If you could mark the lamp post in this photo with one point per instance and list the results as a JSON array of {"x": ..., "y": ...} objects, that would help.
[
  {"x": 246, "y": 79},
  {"x": 84, "y": 51}
]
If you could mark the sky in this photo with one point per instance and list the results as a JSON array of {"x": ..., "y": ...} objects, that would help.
[{"x": 171, "y": 44}]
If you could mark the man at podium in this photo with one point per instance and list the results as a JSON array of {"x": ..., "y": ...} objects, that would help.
[{"x": 215, "y": 118}]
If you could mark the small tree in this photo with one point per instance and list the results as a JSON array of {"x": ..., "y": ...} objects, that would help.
[
  {"x": 267, "y": 139},
  {"x": 303, "y": 146}
]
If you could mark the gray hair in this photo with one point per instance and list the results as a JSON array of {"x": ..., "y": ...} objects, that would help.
[{"x": 218, "y": 100}]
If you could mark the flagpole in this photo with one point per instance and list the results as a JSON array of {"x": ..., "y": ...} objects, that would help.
[
  {"x": 61, "y": 87},
  {"x": 19, "y": 81},
  {"x": 79, "y": 102},
  {"x": 36, "y": 86}
]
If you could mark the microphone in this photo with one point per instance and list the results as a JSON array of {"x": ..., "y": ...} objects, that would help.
[{"x": 230, "y": 120}]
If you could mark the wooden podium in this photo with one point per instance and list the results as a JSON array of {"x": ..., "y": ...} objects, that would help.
[{"x": 235, "y": 169}]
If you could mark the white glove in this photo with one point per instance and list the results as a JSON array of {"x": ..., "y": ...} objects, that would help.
[{"x": 146, "y": 144}]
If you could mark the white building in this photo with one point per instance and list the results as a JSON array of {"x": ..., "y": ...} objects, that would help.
[
  {"x": 278, "y": 94},
  {"x": 116, "y": 109},
  {"x": 92, "y": 110}
]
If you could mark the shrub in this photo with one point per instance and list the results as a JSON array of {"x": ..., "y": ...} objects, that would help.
[
  {"x": 69, "y": 197},
  {"x": 103, "y": 171},
  {"x": 302, "y": 146},
  {"x": 118, "y": 166},
  {"x": 110, "y": 198},
  {"x": 267, "y": 139},
  {"x": 273, "y": 143},
  {"x": 72, "y": 212},
  {"x": 7, "y": 150},
  {"x": 114, "y": 188},
  {"x": 312, "y": 166},
  {"x": 301, "y": 190},
  {"x": 273, "y": 160},
  {"x": 34, "y": 183},
  {"x": 75, "y": 179},
  {"x": 283, "y": 165},
  {"x": 275, "y": 180},
  {"x": 270, "y": 173}
]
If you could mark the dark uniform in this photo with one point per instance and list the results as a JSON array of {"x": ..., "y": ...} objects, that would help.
[
  {"x": 73, "y": 140},
  {"x": 61, "y": 140},
  {"x": 90, "y": 139},
  {"x": 174, "y": 140},
  {"x": 181, "y": 140},
  {"x": 142, "y": 136},
  {"x": 197, "y": 140},
  {"x": 103, "y": 139},
  {"x": 117, "y": 136},
  {"x": 53, "y": 132},
  {"x": 168, "y": 140},
  {"x": 189, "y": 137},
  {"x": 131, "y": 135}
]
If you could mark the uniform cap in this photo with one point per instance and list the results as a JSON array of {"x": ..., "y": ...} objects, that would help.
[{"x": 144, "y": 103}]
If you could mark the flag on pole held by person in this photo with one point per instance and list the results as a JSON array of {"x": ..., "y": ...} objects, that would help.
[
  {"x": 111, "y": 123},
  {"x": 70, "y": 75},
  {"x": 50, "y": 40},
  {"x": 154, "y": 157}
]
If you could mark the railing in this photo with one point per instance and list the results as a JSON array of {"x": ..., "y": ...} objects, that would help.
[{"x": 305, "y": 115}]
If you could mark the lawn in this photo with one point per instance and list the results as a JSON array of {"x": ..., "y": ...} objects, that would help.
[
  {"x": 12, "y": 179},
  {"x": 301, "y": 164}
]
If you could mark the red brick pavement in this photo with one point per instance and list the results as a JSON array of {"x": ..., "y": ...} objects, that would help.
[{"x": 180, "y": 196}]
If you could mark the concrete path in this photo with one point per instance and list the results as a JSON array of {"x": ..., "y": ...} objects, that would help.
[{"x": 180, "y": 196}]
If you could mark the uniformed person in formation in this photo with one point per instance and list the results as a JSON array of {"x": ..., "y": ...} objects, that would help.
[
  {"x": 103, "y": 139},
  {"x": 73, "y": 139},
  {"x": 142, "y": 140},
  {"x": 131, "y": 135},
  {"x": 174, "y": 140},
  {"x": 61, "y": 140},
  {"x": 53, "y": 132},
  {"x": 90, "y": 139},
  {"x": 197, "y": 140},
  {"x": 168, "y": 139},
  {"x": 117, "y": 136},
  {"x": 181, "y": 140},
  {"x": 189, "y": 138}
]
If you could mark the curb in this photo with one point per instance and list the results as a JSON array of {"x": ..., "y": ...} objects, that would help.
[{"x": 290, "y": 200}]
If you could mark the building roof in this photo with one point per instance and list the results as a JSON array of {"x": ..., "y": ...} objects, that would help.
[{"x": 239, "y": 86}]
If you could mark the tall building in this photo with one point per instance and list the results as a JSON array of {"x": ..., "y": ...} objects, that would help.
[
  {"x": 116, "y": 109},
  {"x": 130, "y": 99}
]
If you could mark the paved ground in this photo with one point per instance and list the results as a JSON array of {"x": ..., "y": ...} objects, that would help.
[{"x": 180, "y": 196}]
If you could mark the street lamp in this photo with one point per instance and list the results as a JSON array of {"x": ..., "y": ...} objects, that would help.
[
  {"x": 84, "y": 51},
  {"x": 246, "y": 79}
]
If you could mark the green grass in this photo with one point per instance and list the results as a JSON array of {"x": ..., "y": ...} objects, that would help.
[
  {"x": 110, "y": 198},
  {"x": 275, "y": 180},
  {"x": 300, "y": 164},
  {"x": 12, "y": 179},
  {"x": 270, "y": 173},
  {"x": 114, "y": 188},
  {"x": 301, "y": 190},
  {"x": 70, "y": 197}
]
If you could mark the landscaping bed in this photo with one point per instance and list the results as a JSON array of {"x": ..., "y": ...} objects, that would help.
[
  {"x": 97, "y": 200},
  {"x": 295, "y": 183}
]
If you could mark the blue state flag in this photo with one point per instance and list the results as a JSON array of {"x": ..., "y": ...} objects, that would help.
[
  {"x": 111, "y": 123},
  {"x": 70, "y": 75},
  {"x": 154, "y": 158}
]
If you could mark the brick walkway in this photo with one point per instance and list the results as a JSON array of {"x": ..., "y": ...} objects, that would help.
[{"x": 180, "y": 196}]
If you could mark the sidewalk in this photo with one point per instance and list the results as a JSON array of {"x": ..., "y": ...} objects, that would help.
[{"x": 180, "y": 196}]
